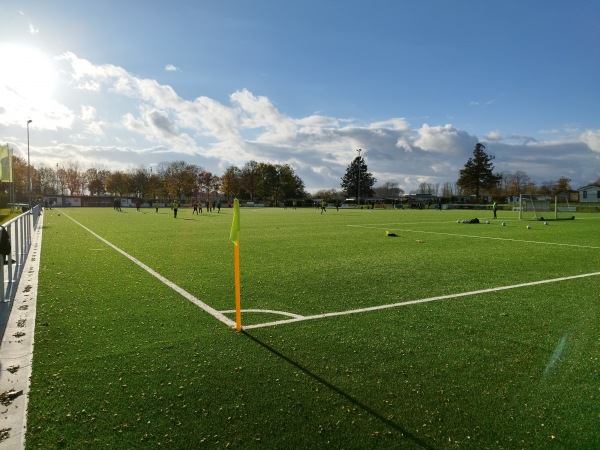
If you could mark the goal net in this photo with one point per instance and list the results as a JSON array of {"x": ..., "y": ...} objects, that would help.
[{"x": 545, "y": 207}]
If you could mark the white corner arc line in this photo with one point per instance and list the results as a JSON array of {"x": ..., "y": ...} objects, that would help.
[
  {"x": 210, "y": 310},
  {"x": 423, "y": 300},
  {"x": 266, "y": 311}
]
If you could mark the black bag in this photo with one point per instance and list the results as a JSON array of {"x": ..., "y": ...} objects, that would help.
[{"x": 4, "y": 241}]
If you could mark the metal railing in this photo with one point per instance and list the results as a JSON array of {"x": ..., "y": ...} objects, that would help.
[{"x": 20, "y": 230}]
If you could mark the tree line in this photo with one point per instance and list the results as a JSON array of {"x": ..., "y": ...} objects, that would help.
[
  {"x": 476, "y": 180},
  {"x": 261, "y": 182},
  {"x": 270, "y": 183}
]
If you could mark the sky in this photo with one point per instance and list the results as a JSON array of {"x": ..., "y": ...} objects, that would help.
[{"x": 414, "y": 84}]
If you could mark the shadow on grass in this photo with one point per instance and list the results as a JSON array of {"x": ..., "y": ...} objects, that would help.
[{"x": 339, "y": 391}]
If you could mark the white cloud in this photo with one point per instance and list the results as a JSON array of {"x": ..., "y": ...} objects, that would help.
[
  {"x": 397, "y": 124},
  {"x": 171, "y": 68},
  {"x": 444, "y": 139},
  {"x": 88, "y": 112},
  {"x": 96, "y": 128},
  {"x": 591, "y": 138},
  {"x": 318, "y": 121},
  {"x": 493, "y": 136},
  {"x": 127, "y": 121},
  {"x": 404, "y": 144},
  {"x": 257, "y": 112}
]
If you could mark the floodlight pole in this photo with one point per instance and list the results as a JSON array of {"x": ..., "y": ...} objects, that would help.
[
  {"x": 358, "y": 188},
  {"x": 29, "y": 164}
]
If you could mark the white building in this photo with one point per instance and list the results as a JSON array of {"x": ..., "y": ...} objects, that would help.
[{"x": 589, "y": 194}]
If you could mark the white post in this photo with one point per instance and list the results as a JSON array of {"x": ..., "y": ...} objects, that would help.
[{"x": 520, "y": 206}]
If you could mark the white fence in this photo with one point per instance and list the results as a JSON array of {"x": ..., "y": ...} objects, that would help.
[{"x": 20, "y": 230}]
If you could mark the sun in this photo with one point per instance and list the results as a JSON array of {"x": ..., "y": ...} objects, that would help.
[{"x": 27, "y": 75}]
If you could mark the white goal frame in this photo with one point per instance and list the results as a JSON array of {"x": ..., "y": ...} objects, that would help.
[{"x": 544, "y": 207}]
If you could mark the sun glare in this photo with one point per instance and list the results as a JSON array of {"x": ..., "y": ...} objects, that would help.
[{"x": 26, "y": 75}]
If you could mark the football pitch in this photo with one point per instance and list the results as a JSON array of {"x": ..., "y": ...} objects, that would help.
[{"x": 446, "y": 335}]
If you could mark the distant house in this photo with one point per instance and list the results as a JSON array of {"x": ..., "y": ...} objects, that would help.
[
  {"x": 569, "y": 196},
  {"x": 589, "y": 194}
]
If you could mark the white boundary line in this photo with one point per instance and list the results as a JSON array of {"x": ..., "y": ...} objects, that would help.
[
  {"x": 423, "y": 300},
  {"x": 210, "y": 310},
  {"x": 400, "y": 230}
]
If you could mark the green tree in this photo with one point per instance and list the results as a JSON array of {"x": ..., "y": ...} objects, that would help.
[
  {"x": 95, "y": 186},
  {"x": 230, "y": 182},
  {"x": 155, "y": 186},
  {"x": 95, "y": 179},
  {"x": 358, "y": 180},
  {"x": 278, "y": 182},
  {"x": 205, "y": 184},
  {"x": 291, "y": 186},
  {"x": 477, "y": 175},
  {"x": 250, "y": 178},
  {"x": 117, "y": 183},
  {"x": 268, "y": 181},
  {"x": 139, "y": 181},
  {"x": 179, "y": 178}
]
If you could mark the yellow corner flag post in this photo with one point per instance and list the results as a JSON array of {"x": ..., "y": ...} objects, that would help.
[
  {"x": 5, "y": 164},
  {"x": 235, "y": 238}
]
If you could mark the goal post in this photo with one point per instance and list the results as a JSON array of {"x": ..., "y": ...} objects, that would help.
[{"x": 545, "y": 207}]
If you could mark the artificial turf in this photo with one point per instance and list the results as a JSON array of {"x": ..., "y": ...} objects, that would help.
[{"x": 123, "y": 361}]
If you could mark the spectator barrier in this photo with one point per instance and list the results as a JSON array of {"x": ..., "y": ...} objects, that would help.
[{"x": 20, "y": 230}]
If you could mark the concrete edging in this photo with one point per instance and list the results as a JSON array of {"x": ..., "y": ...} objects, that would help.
[{"x": 16, "y": 350}]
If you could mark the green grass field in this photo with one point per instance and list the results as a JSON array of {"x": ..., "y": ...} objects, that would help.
[{"x": 500, "y": 347}]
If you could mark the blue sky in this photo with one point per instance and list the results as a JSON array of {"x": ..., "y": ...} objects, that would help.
[{"x": 415, "y": 84}]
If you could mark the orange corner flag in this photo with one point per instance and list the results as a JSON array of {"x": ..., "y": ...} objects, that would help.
[{"x": 235, "y": 225}]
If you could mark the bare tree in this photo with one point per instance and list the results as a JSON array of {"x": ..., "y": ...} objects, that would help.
[
  {"x": 562, "y": 185},
  {"x": 515, "y": 183},
  {"x": 531, "y": 188},
  {"x": 388, "y": 189},
  {"x": 328, "y": 194},
  {"x": 428, "y": 188},
  {"x": 447, "y": 190},
  {"x": 74, "y": 179},
  {"x": 47, "y": 177}
]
